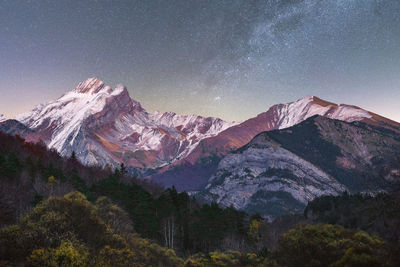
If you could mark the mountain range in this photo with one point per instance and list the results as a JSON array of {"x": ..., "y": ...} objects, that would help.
[
  {"x": 272, "y": 164},
  {"x": 194, "y": 171}
]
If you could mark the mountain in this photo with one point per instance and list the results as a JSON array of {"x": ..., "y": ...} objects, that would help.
[
  {"x": 14, "y": 127},
  {"x": 104, "y": 125},
  {"x": 280, "y": 171},
  {"x": 2, "y": 118},
  {"x": 193, "y": 172}
]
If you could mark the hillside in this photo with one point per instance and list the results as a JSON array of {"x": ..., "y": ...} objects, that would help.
[
  {"x": 279, "y": 171},
  {"x": 46, "y": 222},
  {"x": 374, "y": 214},
  {"x": 30, "y": 173}
]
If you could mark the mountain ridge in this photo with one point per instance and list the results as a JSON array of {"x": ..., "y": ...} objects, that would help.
[{"x": 203, "y": 161}]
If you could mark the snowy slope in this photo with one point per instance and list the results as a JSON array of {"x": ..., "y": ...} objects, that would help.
[
  {"x": 2, "y": 118},
  {"x": 69, "y": 112},
  {"x": 104, "y": 125},
  {"x": 293, "y": 113}
]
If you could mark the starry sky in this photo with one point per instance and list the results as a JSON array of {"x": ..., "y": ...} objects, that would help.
[{"x": 230, "y": 59}]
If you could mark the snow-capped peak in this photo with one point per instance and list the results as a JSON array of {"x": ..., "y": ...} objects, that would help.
[
  {"x": 295, "y": 112},
  {"x": 91, "y": 85},
  {"x": 104, "y": 125},
  {"x": 65, "y": 116}
]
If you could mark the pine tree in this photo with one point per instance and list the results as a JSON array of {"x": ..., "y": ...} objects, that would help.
[
  {"x": 73, "y": 156},
  {"x": 122, "y": 169}
]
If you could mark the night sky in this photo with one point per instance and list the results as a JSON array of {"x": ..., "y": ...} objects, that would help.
[{"x": 230, "y": 59}]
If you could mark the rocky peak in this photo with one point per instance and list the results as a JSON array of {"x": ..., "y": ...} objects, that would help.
[
  {"x": 321, "y": 102},
  {"x": 94, "y": 88},
  {"x": 286, "y": 115},
  {"x": 315, "y": 100},
  {"x": 91, "y": 85}
]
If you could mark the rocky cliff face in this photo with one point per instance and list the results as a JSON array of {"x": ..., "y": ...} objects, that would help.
[
  {"x": 279, "y": 171},
  {"x": 104, "y": 125}
]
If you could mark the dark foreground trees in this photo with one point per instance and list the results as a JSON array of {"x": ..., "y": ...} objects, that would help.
[
  {"x": 70, "y": 231},
  {"x": 328, "y": 245}
]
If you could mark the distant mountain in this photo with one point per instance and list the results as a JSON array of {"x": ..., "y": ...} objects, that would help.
[
  {"x": 2, "y": 118},
  {"x": 193, "y": 172},
  {"x": 279, "y": 171},
  {"x": 104, "y": 125},
  {"x": 14, "y": 127}
]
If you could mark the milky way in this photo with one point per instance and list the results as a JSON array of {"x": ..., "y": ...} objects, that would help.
[{"x": 231, "y": 59}]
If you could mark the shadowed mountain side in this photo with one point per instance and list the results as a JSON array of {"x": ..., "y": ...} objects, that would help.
[
  {"x": 14, "y": 127},
  {"x": 279, "y": 171}
]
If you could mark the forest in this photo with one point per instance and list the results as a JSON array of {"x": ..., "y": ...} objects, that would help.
[{"x": 56, "y": 212}]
